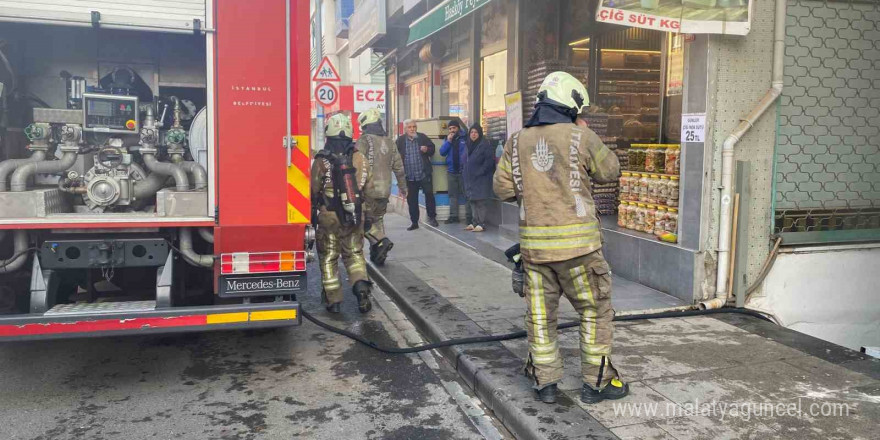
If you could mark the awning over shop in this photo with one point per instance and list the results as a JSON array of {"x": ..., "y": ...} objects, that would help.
[{"x": 443, "y": 15}]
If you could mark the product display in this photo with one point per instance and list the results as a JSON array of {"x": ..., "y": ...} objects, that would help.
[
  {"x": 643, "y": 187},
  {"x": 663, "y": 190},
  {"x": 650, "y": 218},
  {"x": 605, "y": 196},
  {"x": 672, "y": 160},
  {"x": 636, "y": 158},
  {"x": 625, "y": 186},
  {"x": 660, "y": 221},
  {"x": 672, "y": 198}
]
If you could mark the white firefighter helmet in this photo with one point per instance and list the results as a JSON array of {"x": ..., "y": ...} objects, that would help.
[
  {"x": 369, "y": 117},
  {"x": 338, "y": 125},
  {"x": 565, "y": 90}
]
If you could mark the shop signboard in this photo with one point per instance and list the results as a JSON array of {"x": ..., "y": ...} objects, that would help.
[
  {"x": 686, "y": 16},
  {"x": 514, "y": 107},
  {"x": 367, "y": 96},
  {"x": 367, "y": 25},
  {"x": 441, "y": 16}
]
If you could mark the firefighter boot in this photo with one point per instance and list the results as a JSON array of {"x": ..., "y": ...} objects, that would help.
[
  {"x": 379, "y": 250},
  {"x": 361, "y": 290},
  {"x": 547, "y": 394},
  {"x": 613, "y": 391},
  {"x": 332, "y": 308}
]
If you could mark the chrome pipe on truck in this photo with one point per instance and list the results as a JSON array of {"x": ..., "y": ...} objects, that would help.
[
  {"x": 71, "y": 137},
  {"x": 191, "y": 257},
  {"x": 38, "y": 134},
  {"x": 19, "y": 253}
]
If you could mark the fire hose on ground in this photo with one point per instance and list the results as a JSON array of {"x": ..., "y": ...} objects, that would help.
[{"x": 521, "y": 333}]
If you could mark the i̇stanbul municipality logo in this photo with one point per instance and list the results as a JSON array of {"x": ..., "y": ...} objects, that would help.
[{"x": 542, "y": 158}]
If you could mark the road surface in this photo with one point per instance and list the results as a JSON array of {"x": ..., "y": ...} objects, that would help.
[{"x": 300, "y": 382}]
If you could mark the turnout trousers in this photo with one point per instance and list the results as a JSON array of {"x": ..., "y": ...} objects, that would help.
[
  {"x": 335, "y": 240},
  {"x": 586, "y": 282},
  {"x": 374, "y": 212}
]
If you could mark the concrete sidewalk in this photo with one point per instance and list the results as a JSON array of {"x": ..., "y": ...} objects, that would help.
[{"x": 726, "y": 376}]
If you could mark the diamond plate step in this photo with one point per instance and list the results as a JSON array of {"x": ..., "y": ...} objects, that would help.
[{"x": 101, "y": 308}]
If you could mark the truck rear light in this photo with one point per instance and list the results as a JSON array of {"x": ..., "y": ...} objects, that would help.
[{"x": 262, "y": 262}]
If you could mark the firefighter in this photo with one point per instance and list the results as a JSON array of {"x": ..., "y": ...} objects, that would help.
[
  {"x": 383, "y": 158},
  {"x": 339, "y": 174},
  {"x": 546, "y": 168}
]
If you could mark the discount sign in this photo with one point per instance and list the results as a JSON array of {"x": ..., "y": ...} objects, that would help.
[{"x": 326, "y": 94}]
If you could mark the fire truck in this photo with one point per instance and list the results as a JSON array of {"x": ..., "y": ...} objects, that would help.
[{"x": 154, "y": 166}]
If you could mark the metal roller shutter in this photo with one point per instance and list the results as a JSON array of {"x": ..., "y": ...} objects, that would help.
[{"x": 156, "y": 15}]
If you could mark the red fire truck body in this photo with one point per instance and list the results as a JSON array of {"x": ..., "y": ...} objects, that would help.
[{"x": 161, "y": 182}]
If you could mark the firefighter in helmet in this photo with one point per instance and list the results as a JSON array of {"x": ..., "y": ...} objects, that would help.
[
  {"x": 383, "y": 159},
  {"x": 339, "y": 174},
  {"x": 546, "y": 167}
]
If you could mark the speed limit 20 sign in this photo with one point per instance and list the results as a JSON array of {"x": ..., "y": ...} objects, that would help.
[{"x": 326, "y": 94}]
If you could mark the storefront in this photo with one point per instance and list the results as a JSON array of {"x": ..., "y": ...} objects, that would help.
[
  {"x": 465, "y": 66},
  {"x": 635, "y": 78}
]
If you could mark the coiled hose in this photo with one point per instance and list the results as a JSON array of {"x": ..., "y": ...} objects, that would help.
[{"x": 521, "y": 333}]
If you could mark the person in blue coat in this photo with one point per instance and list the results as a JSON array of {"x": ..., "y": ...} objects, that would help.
[
  {"x": 478, "y": 173},
  {"x": 454, "y": 149}
]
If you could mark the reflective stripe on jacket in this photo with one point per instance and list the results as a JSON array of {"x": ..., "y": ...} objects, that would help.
[{"x": 547, "y": 169}]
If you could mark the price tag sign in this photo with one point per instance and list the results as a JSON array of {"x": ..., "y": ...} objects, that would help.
[
  {"x": 693, "y": 127},
  {"x": 326, "y": 94}
]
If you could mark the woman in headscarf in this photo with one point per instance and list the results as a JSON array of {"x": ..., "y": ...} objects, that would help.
[{"x": 478, "y": 175}]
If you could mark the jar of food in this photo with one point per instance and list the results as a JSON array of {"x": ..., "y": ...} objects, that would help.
[
  {"x": 672, "y": 199},
  {"x": 655, "y": 159},
  {"x": 672, "y": 221},
  {"x": 641, "y": 213},
  {"x": 643, "y": 187},
  {"x": 625, "y": 189},
  {"x": 631, "y": 215},
  {"x": 651, "y": 159},
  {"x": 650, "y": 218},
  {"x": 673, "y": 155},
  {"x": 654, "y": 189},
  {"x": 622, "y": 212},
  {"x": 663, "y": 190},
  {"x": 660, "y": 221},
  {"x": 660, "y": 161},
  {"x": 632, "y": 158},
  {"x": 637, "y": 160}
]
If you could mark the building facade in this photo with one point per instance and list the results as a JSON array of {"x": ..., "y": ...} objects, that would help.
[
  {"x": 358, "y": 85},
  {"x": 801, "y": 183}
]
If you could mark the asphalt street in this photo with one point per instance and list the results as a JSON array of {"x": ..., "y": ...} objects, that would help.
[{"x": 299, "y": 382}]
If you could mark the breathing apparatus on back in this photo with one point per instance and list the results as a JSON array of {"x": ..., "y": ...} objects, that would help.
[{"x": 345, "y": 198}]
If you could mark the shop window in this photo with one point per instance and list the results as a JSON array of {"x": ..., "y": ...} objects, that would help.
[
  {"x": 494, "y": 86},
  {"x": 493, "y": 26},
  {"x": 455, "y": 94},
  {"x": 629, "y": 88},
  {"x": 415, "y": 100}
]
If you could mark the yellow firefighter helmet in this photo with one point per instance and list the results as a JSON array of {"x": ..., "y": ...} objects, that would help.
[
  {"x": 370, "y": 116},
  {"x": 565, "y": 90},
  {"x": 338, "y": 125}
]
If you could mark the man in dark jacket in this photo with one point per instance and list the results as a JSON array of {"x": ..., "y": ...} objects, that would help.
[
  {"x": 454, "y": 149},
  {"x": 416, "y": 150}
]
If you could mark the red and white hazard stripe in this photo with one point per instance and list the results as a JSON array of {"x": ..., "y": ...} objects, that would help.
[{"x": 262, "y": 262}]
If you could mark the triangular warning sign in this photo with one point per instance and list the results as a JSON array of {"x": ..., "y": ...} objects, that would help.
[{"x": 326, "y": 71}]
